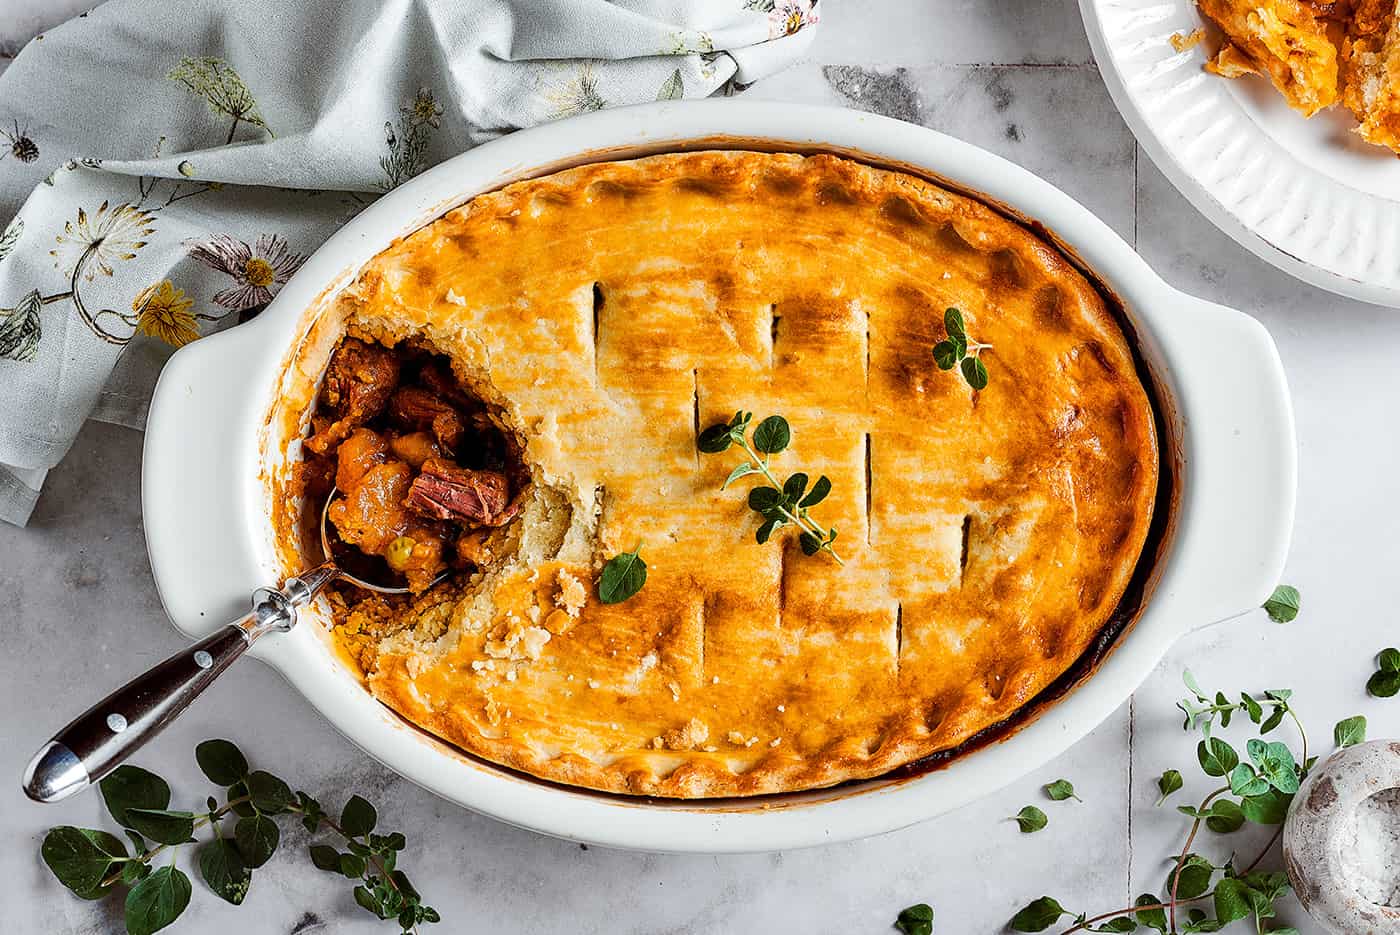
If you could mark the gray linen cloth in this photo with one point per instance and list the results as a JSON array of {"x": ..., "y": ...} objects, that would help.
[{"x": 165, "y": 167}]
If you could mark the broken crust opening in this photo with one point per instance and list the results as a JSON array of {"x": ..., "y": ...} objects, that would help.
[{"x": 545, "y": 556}]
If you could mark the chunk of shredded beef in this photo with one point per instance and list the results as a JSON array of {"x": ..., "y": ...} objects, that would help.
[
  {"x": 360, "y": 380},
  {"x": 416, "y": 408},
  {"x": 445, "y": 491}
]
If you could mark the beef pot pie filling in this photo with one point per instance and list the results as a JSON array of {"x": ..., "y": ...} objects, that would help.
[{"x": 424, "y": 481}]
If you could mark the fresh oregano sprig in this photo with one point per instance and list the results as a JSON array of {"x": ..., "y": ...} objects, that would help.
[
  {"x": 1258, "y": 791},
  {"x": 1385, "y": 681},
  {"x": 93, "y": 863},
  {"x": 1199, "y": 895},
  {"x": 779, "y": 503},
  {"x": 958, "y": 350}
]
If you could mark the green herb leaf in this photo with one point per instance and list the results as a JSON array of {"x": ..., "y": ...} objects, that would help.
[
  {"x": 1196, "y": 872},
  {"x": 1061, "y": 789},
  {"x": 715, "y": 439},
  {"x": 222, "y": 867},
  {"x": 974, "y": 372},
  {"x": 959, "y": 342},
  {"x": 953, "y": 322},
  {"x": 1167, "y": 783},
  {"x": 358, "y": 817},
  {"x": 156, "y": 901},
  {"x": 1383, "y": 684},
  {"x": 162, "y": 825},
  {"x": 945, "y": 355},
  {"x": 325, "y": 857},
  {"x": 367, "y": 900},
  {"x": 916, "y": 920},
  {"x": 1270, "y": 884},
  {"x": 818, "y": 492},
  {"x": 1267, "y": 809},
  {"x": 1031, "y": 819},
  {"x": 794, "y": 487},
  {"x": 810, "y": 544},
  {"x": 133, "y": 787},
  {"x": 1350, "y": 731},
  {"x": 1216, "y": 756},
  {"x": 221, "y": 761},
  {"x": 352, "y": 866},
  {"x": 1152, "y": 918},
  {"x": 1282, "y": 605},
  {"x": 270, "y": 794},
  {"x": 132, "y": 871},
  {"x": 764, "y": 498},
  {"x": 1244, "y": 781},
  {"x": 1231, "y": 900},
  {"x": 772, "y": 435},
  {"x": 1251, "y": 707},
  {"x": 1225, "y": 817},
  {"x": 1275, "y": 763},
  {"x": 1038, "y": 915},
  {"x": 256, "y": 838},
  {"x": 623, "y": 576},
  {"x": 743, "y": 470},
  {"x": 239, "y": 790},
  {"x": 81, "y": 858},
  {"x": 1120, "y": 924},
  {"x": 765, "y": 530}
]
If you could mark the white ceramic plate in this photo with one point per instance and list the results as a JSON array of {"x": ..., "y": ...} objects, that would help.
[
  {"x": 1309, "y": 196},
  {"x": 1229, "y": 435}
]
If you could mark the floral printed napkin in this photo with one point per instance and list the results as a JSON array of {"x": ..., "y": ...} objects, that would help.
[{"x": 165, "y": 167}]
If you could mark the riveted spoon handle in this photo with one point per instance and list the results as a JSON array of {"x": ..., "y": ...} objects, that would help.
[{"x": 118, "y": 725}]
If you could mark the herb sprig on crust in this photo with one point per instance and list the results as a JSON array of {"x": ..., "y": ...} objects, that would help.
[
  {"x": 961, "y": 351},
  {"x": 778, "y": 503}
]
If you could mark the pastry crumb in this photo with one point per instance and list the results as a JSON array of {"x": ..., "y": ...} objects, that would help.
[
  {"x": 691, "y": 735},
  {"x": 572, "y": 595},
  {"x": 1183, "y": 41}
]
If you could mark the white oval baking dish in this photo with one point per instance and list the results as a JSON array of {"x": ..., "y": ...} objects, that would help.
[{"x": 1219, "y": 378}]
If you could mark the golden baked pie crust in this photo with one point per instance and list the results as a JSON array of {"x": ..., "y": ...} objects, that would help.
[{"x": 988, "y": 536}]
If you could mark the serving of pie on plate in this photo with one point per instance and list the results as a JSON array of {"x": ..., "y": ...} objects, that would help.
[
  {"x": 1318, "y": 53},
  {"x": 514, "y": 393}
]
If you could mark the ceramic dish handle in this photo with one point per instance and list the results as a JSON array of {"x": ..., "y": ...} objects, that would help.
[
  {"x": 1238, "y": 461},
  {"x": 117, "y": 726}
]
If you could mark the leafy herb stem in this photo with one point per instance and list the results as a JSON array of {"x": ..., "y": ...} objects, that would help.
[
  {"x": 374, "y": 859},
  {"x": 1186, "y": 849},
  {"x": 150, "y": 855},
  {"x": 801, "y": 518},
  {"x": 1084, "y": 926}
]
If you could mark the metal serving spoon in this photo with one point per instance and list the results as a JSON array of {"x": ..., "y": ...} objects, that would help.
[{"x": 117, "y": 726}]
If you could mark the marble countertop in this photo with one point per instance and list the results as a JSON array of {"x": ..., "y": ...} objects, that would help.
[{"x": 1016, "y": 77}]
